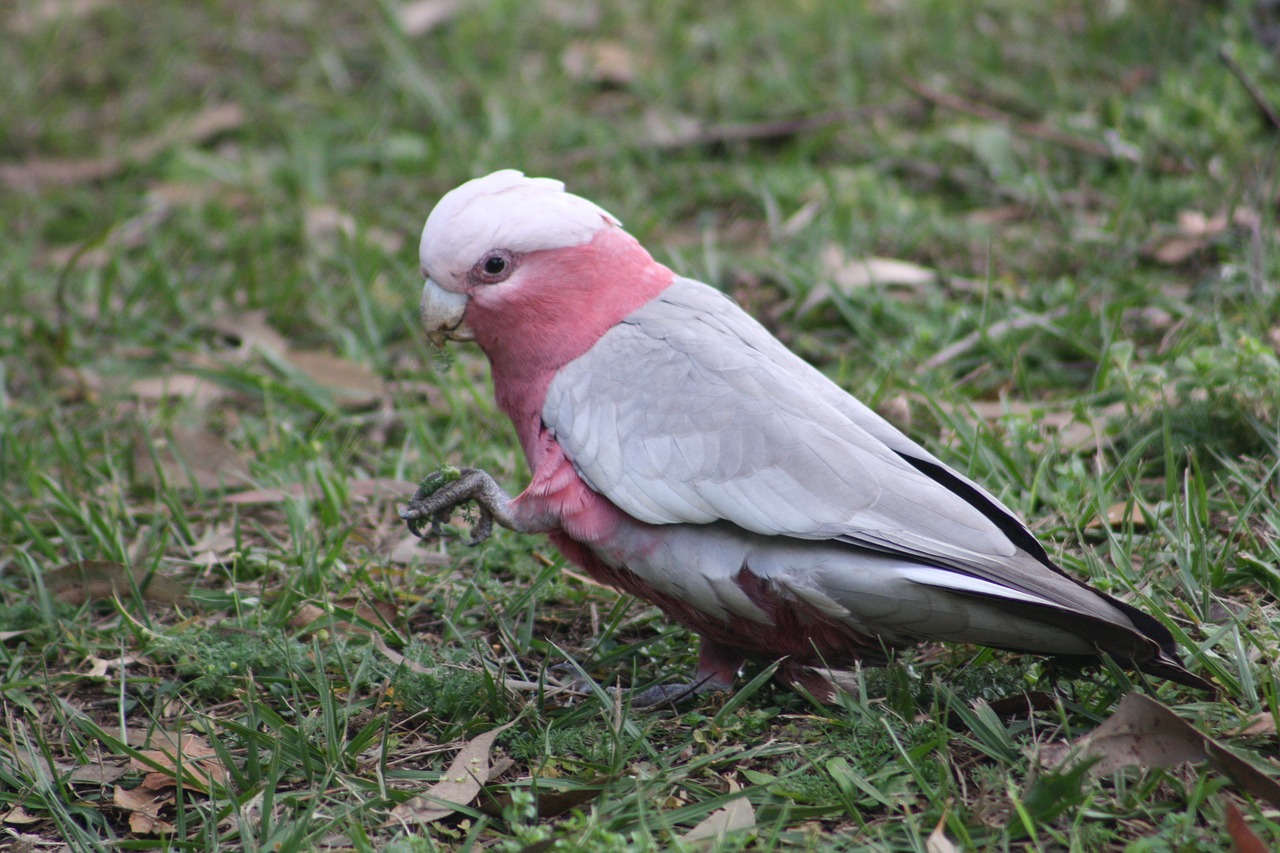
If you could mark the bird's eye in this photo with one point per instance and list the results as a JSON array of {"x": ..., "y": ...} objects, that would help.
[{"x": 494, "y": 267}]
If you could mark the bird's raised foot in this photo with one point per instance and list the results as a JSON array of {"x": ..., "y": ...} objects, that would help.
[{"x": 443, "y": 491}]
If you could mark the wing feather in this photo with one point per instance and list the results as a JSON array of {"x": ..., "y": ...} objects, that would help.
[{"x": 690, "y": 412}]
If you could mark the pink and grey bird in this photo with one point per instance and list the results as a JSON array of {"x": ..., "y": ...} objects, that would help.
[{"x": 681, "y": 453}]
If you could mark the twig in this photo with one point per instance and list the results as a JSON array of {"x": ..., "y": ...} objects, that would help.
[
  {"x": 1259, "y": 99},
  {"x": 698, "y": 135},
  {"x": 1036, "y": 130},
  {"x": 995, "y": 330}
]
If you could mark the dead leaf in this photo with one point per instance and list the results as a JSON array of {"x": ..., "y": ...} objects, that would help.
[
  {"x": 130, "y": 234},
  {"x": 459, "y": 786},
  {"x": 376, "y": 487},
  {"x": 98, "y": 774},
  {"x": 549, "y": 803},
  {"x": 6, "y": 636},
  {"x": 18, "y": 816},
  {"x": 101, "y": 580},
  {"x": 666, "y": 130},
  {"x": 352, "y": 385},
  {"x": 995, "y": 330},
  {"x": 1193, "y": 223},
  {"x": 1177, "y": 250},
  {"x": 1119, "y": 515},
  {"x": 398, "y": 659},
  {"x": 183, "y": 457},
  {"x": 603, "y": 62},
  {"x": 201, "y": 769},
  {"x": 216, "y": 546},
  {"x": 1243, "y": 839},
  {"x": 734, "y": 817},
  {"x": 100, "y": 667},
  {"x": 33, "y": 173},
  {"x": 409, "y": 550},
  {"x": 323, "y": 223},
  {"x": 200, "y": 391},
  {"x": 374, "y": 614},
  {"x": 844, "y": 275},
  {"x": 144, "y": 809},
  {"x": 1057, "y": 420},
  {"x": 937, "y": 842},
  {"x": 423, "y": 16},
  {"x": 1144, "y": 733},
  {"x": 251, "y": 330},
  {"x": 1260, "y": 726},
  {"x": 34, "y": 15}
]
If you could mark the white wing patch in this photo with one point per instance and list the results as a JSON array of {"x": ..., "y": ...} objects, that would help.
[{"x": 967, "y": 583}]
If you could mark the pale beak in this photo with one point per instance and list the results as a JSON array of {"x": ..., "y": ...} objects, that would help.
[{"x": 441, "y": 312}]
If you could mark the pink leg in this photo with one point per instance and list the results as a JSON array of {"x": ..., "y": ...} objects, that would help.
[{"x": 718, "y": 668}]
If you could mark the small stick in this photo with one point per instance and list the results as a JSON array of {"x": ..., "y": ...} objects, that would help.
[
  {"x": 1035, "y": 130},
  {"x": 1259, "y": 99}
]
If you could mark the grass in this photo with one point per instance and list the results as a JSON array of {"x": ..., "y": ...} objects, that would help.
[{"x": 160, "y": 282}]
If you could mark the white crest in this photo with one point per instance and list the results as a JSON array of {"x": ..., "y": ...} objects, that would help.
[{"x": 504, "y": 210}]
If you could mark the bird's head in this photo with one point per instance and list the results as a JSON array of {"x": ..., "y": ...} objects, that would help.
[{"x": 497, "y": 245}]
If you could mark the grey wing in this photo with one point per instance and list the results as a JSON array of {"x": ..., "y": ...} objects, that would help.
[{"x": 690, "y": 412}]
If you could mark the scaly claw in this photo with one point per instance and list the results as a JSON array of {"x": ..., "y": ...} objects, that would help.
[{"x": 443, "y": 491}]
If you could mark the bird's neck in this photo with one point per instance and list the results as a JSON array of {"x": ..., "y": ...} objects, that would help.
[{"x": 570, "y": 298}]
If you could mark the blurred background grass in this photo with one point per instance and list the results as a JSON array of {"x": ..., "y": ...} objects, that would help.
[{"x": 212, "y": 378}]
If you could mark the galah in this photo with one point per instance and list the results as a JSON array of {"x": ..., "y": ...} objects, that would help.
[{"x": 681, "y": 453}]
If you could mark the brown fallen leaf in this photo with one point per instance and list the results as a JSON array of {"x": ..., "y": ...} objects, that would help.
[
  {"x": 460, "y": 784},
  {"x": 396, "y": 658},
  {"x": 1177, "y": 250},
  {"x": 101, "y": 580},
  {"x": 215, "y": 547},
  {"x": 200, "y": 391},
  {"x": 250, "y": 330},
  {"x": 98, "y": 774},
  {"x": 33, "y": 173},
  {"x": 373, "y": 613},
  {"x": 733, "y": 817},
  {"x": 376, "y": 487},
  {"x": 937, "y": 842},
  {"x": 1144, "y": 733},
  {"x": 602, "y": 62},
  {"x": 995, "y": 330},
  {"x": 1243, "y": 839},
  {"x": 182, "y": 457},
  {"x": 144, "y": 809},
  {"x": 33, "y": 15},
  {"x": 100, "y": 667},
  {"x": 550, "y": 803},
  {"x": 201, "y": 769},
  {"x": 352, "y": 385},
  {"x": 1260, "y": 726},
  {"x": 1056, "y": 419},
  {"x": 422, "y": 16},
  {"x": 18, "y": 816},
  {"x": 324, "y": 223},
  {"x": 130, "y": 234},
  {"x": 844, "y": 275},
  {"x": 1119, "y": 515},
  {"x": 409, "y": 550}
]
